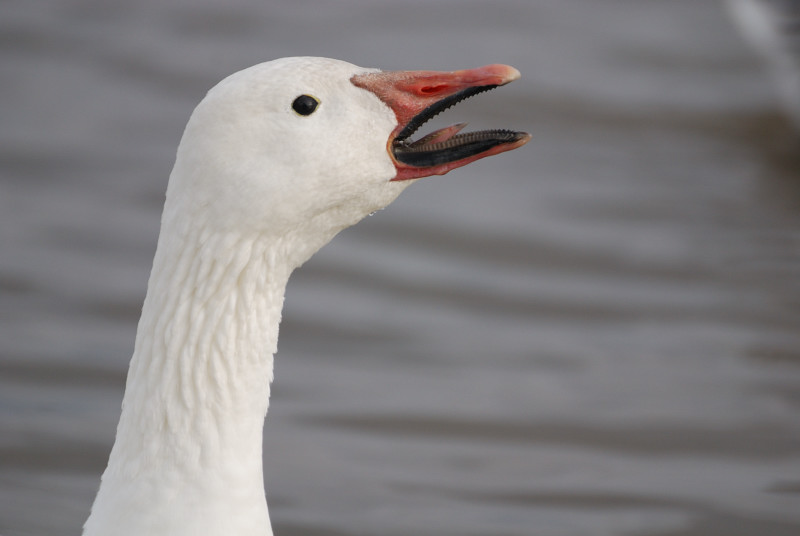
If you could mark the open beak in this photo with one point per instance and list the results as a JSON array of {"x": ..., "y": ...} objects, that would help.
[{"x": 417, "y": 96}]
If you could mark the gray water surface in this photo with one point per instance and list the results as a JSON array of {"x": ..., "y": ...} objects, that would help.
[{"x": 597, "y": 334}]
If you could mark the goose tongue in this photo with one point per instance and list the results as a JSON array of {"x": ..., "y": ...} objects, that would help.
[
  {"x": 439, "y": 136},
  {"x": 417, "y": 96}
]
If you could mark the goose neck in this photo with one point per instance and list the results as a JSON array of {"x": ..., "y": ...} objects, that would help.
[{"x": 190, "y": 433}]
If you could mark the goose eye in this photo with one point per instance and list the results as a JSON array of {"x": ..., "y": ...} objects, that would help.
[{"x": 305, "y": 104}]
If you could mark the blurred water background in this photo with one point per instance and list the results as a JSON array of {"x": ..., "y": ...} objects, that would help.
[{"x": 596, "y": 334}]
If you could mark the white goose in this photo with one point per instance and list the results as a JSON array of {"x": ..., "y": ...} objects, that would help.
[{"x": 274, "y": 162}]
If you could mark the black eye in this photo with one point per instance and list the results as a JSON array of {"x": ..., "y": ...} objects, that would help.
[{"x": 305, "y": 104}]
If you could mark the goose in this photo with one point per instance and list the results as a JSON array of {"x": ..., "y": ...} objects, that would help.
[{"x": 274, "y": 161}]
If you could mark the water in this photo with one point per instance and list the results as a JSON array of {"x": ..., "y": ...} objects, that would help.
[{"x": 596, "y": 334}]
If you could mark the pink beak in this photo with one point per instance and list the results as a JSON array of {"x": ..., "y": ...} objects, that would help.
[{"x": 416, "y": 96}]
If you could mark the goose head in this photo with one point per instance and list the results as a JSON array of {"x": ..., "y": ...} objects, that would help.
[
  {"x": 274, "y": 161},
  {"x": 312, "y": 145}
]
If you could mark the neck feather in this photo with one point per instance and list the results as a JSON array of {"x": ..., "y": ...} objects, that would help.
[{"x": 188, "y": 449}]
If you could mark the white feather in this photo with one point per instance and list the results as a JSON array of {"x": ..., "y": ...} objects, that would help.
[{"x": 255, "y": 191}]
